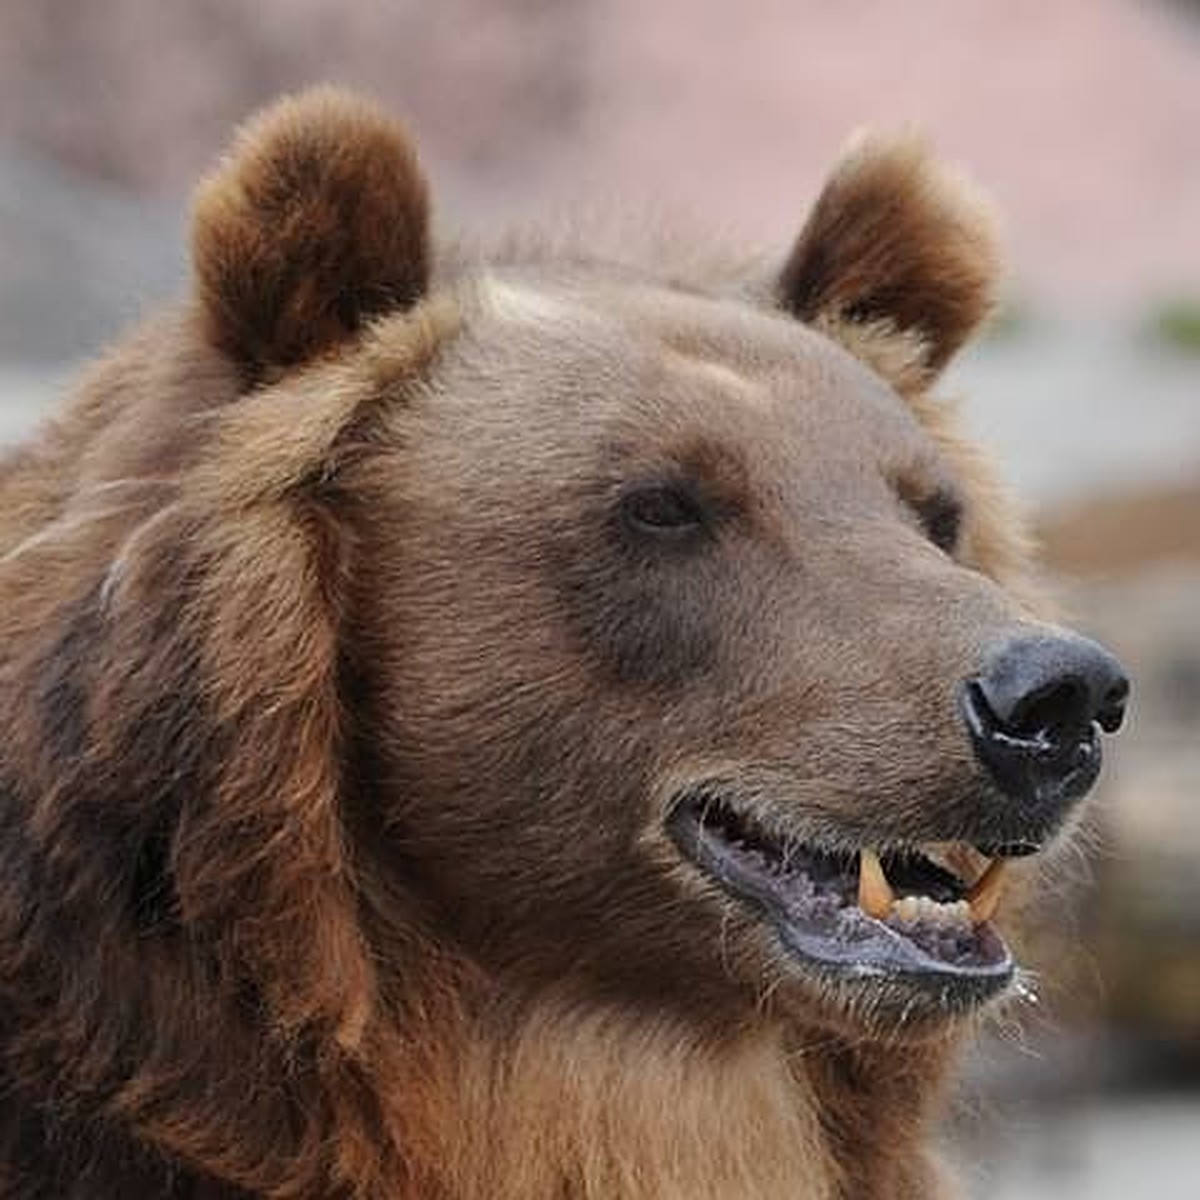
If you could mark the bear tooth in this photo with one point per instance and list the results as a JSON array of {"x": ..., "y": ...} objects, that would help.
[
  {"x": 984, "y": 897},
  {"x": 875, "y": 895}
]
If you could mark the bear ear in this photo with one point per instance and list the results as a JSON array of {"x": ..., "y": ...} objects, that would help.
[
  {"x": 896, "y": 239},
  {"x": 316, "y": 222}
]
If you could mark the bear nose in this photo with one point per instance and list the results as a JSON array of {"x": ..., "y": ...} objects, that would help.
[{"x": 1033, "y": 714}]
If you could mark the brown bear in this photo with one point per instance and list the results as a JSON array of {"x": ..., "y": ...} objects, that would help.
[{"x": 529, "y": 724}]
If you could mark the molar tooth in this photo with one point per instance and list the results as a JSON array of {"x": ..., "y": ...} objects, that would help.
[
  {"x": 984, "y": 897},
  {"x": 875, "y": 895}
]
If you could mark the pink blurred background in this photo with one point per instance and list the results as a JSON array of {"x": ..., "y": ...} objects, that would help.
[{"x": 1081, "y": 115}]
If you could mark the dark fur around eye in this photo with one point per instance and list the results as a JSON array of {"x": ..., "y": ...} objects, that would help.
[
  {"x": 665, "y": 511},
  {"x": 940, "y": 514}
]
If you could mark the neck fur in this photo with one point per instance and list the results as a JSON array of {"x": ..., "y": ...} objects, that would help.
[{"x": 598, "y": 1105}]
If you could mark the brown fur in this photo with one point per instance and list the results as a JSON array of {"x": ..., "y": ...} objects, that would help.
[
  {"x": 896, "y": 236},
  {"x": 318, "y": 223},
  {"x": 339, "y": 727}
]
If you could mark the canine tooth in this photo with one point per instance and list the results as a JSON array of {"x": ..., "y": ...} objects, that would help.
[
  {"x": 875, "y": 895},
  {"x": 984, "y": 897}
]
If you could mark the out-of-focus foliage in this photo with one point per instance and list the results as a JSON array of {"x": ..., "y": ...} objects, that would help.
[{"x": 1176, "y": 324}]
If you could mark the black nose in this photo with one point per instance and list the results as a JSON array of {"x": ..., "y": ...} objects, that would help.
[{"x": 1033, "y": 715}]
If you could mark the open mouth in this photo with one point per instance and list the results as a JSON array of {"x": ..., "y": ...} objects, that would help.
[{"x": 894, "y": 913}]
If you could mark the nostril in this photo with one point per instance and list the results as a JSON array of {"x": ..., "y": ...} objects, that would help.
[
  {"x": 1111, "y": 712},
  {"x": 1042, "y": 686},
  {"x": 1032, "y": 715},
  {"x": 1054, "y": 712}
]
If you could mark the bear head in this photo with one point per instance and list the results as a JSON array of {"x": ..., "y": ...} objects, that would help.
[{"x": 649, "y": 628}]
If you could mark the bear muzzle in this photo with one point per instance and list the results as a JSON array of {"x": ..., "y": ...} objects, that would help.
[{"x": 917, "y": 910}]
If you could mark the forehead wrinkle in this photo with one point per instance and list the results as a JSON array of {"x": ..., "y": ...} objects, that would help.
[
  {"x": 699, "y": 364},
  {"x": 523, "y": 303},
  {"x": 720, "y": 377}
]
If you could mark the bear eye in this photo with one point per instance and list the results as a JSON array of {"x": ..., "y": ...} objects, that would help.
[
  {"x": 661, "y": 510},
  {"x": 941, "y": 515}
]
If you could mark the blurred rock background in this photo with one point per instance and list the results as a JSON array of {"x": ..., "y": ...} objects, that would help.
[{"x": 1082, "y": 118}]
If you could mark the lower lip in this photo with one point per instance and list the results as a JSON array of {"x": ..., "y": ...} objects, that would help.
[
  {"x": 838, "y": 938},
  {"x": 867, "y": 949}
]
